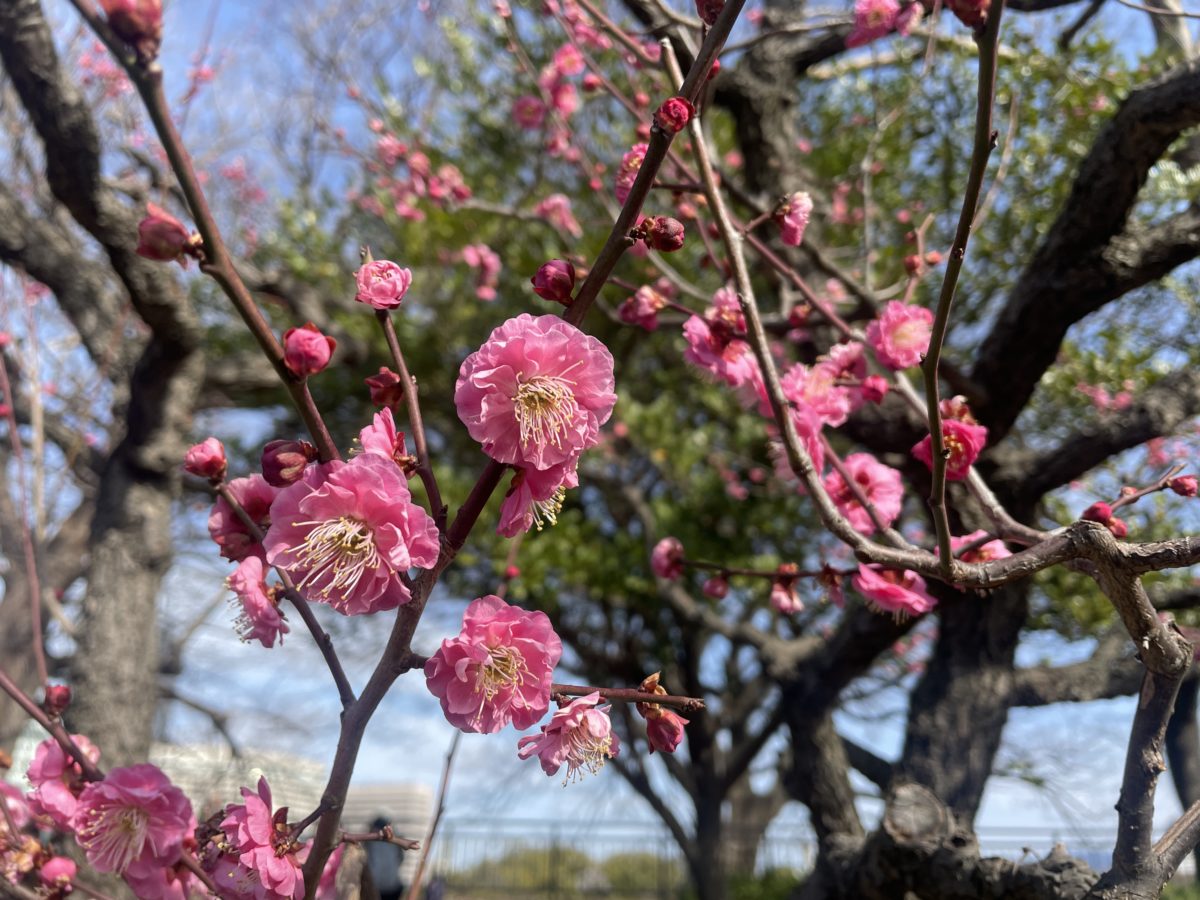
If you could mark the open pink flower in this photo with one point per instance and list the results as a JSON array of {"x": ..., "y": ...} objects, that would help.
[
  {"x": 16, "y": 805},
  {"x": 642, "y": 308},
  {"x": 900, "y": 336},
  {"x": 535, "y": 498},
  {"x": 347, "y": 532},
  {"x": 536, "y": 393},
  {"x": 253, "y": 495},
  {"x": 260, "y": 619},
  {"x": 792, "y": 217},
  {"x": 666, "y": 559},
  {"x": 57, "y": 780},
  {"x": 262, "y": 861},
  {"x": 631, "y": 162},
  {"x": 382, "y": 284},
  {"x": 873, "y": 19},
  {"x": 983, "y": 553},
  {"x": 497, "y": 670},
  {"x": 881, "y": 484},
  {"x": 153, "y": 881},
  {"x": 817, "y": 388},
  {"x": 134, "y": 813},
  {"x": 964, "y": 441},
  {"x": 579, "y": 734},
  {"x": 901, "y": 593},
  {"x": 556, "y": 209}
]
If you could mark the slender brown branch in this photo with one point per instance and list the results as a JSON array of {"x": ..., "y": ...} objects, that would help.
[
  {"x": 384, "y": 835},
  {"x": 55, "y": 729},
  {"x": 628, "y": 695},
  {"x": 438, "y": 811}
]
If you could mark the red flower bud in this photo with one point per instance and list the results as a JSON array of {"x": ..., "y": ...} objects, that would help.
[
  {"x": 913, "y": 264},
  {"x": 1184, "y": 485},
  {"x": 138, "y": 23},
  {"x": 555, "y": 280},
  {"x": 306, "y": 351},
  {"x": 1117, "y": 527},
  {"x": 1098, "y": 512},
  {"x": 511, "y": 572},
  {"x": 385, "y": 388},
  {"x": 874, "y": 388},
  {"x": 716, "y": 587},
  {"x": 664, "y": 731},
  {"x": 163, "y": 238},
  {"x": 932, "y": 258},
  {"x": 57, "y": 699},
  {"x": 283, "y": 462},
  {"x": 708, "y": 10},
  {"x": 207, "y": 460},
  {"x": 662, "y": 233},
  {"x": 674, "y": 114}
]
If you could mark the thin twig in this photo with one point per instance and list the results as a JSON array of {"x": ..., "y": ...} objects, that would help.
[
  {"x": 438, "y": 810},
  {"x": 628, "y": 695}
]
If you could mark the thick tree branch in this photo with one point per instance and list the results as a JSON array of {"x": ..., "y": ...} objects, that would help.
[{"x": 1111, "y": 671}]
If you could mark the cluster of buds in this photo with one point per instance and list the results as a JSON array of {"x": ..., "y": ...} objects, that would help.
[
  {"x": 1102, "y": 513},
  {"x": 664, "y": 729}
]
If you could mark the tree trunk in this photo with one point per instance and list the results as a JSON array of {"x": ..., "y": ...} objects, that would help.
[{"x": 1183, "y": 747}]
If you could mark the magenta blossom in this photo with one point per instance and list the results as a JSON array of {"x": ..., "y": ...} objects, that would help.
[
  {"x": 900, "y": 336},
  {"x": 873, "y": 19},
  {"x": 965, "y": 442},
  {"x": 498, "y": 669},
  {"x": 260, "y": 619},
  {"x": 642, "y": 308},
  {"x": 134, "y": 813},
  {"x": 529, "y": 112},
  {"x": 347, "y": 532},
  {"x": 879, "y": 483},
  {"x": 262, "y": 861},
  {"x": 382, "y": 284},
  {"x": 57, "y": 873},
  {"x": 631, "y": 162},
  {"x": 579, "y": 734},
  {"x": 163, "y": 238},
  {"x": 983, "y": 553},
  {"x": 901, "y": 593},
  {"x": 57, "y": 780},
  {"x": 666, "y": 560},
  {"x": 306, "y": 351},
  {"x": 253, "y": 495},
  {"x": 535, "y": 498},
  {"x": 792, "y": 217},
  {"x": 18, "y": 812},
  {"x": 817, "y": 388},
  {"x": 206, "y": 460},
  {"x": 536, "y": 393}
]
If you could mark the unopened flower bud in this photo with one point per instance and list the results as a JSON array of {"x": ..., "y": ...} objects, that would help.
[
  {"x": 138, "y": 23},
  {"x": 57, "y": 873},
  {"x": 555, "y": 281},
  {"x": 511, "y": 572},
  {"x": 382, "y": 284},
  {"x": 1117, "y": 526},
  {"x": 674, "y": 114},
  {"x": 664, "y": 730},
  {"x": 913, "y": 264},
  {"x": 591, "y": 82},
  {"x": 932, "y": 258},
  {"x": 1184, "y": 485},
  {"x": 206, "y": 460},
  {"x": 283, "y": 462},
  {"x": 386, "y": 389},
  {"x": 662, "y": 233},
  {"x": 641, "y": 98},
  {"x": 56, "y": 701},
  {"x": 708, "y": 10},
  {"x": 163, "y": 238},
  {"x": 306, "y": 351},
  {"x": 792, "y": 215},
  {"x": 874, "y": 388},
  {"x": 1098, "y": 512},
  {"x": 716, "y": 587}
]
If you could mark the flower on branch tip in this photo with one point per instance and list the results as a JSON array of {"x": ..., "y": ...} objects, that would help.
[
  {"x": 880, "y": 484},
  {"x": 708, "y": 10},
  {"x": 900, "y": 336},
  {"x": 135, "y": 813},
  {"x": 901, "y": 593},
  {"x": 306, "y": 351},
  {"x": 138, "y": 23},
  {"x": 666, "y": 559},
  {"x": 382, "y": 284},
  {"x": 206, "y": 460},
  {"x": 283, "y": 461},
  {"x": 385, "y": 388},
  {"x": 962, "y": 442},
  {"x": 349, "y": 532},
  {"x": 497, "y": 670},
  {"x": 873, "y": 19},
  {"x": 1184, "y": 485},
  {"x": 260, "y": 619},
  {"x": 163, "y": 238},
  {"x": 554, "y": 281},
  {"x": 257, "y": 857},
  {"x": 57, "y": 779},
  {"x": 662, "y": 233},
  {"x": 535, "y": 498},
  {"x": 57, "y": 700},
  {"x": 674, "y": 114},
  {"x": 792, "y": 215},
  {"x": 225, "y": 526},
  {"x": 579, "y": 734},
  {"x": 536, "y": 393},
  {"x": 664, "y": 728}
]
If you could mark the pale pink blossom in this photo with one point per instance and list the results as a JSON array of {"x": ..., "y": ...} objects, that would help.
[
  {"x": 535, "y": 498},
  {"x": 900, "y": 336},
  {"x": 818, "y": 390},
  {"x": 901, "y": 593},
  {"x": 873, "y": 19},
  {"x": 556, "y": 209},
  {"x": 631, "y": 162},
  {"x": 713, "y": 347},
  {"x": 206, "y": 460},
  {"x": 327, "y": 885},
  {"x": 964, "y": 441},
  {"x": 642, "y": 308},
  {"x": 263, "y": 858},
  {"x": 579, "y": 734},
  {"x": 226, "y": 528},
  {"x": 382, "y": 284},
  {"x": 792, "y": 217},
  {"x": 57, "y": 780},
  {"x": 497, "y": 670},
  {"x": 537, "y": 391},
  {"x": 568, "y": 60},
  {"x": 17, "y": 807},
  {"x": 134, "y": 813},
  {"x": 666, "y": 559},
  {"x": 347, "y": 532},
  {"x": 487, "y": 263},
  {"x": 260, "y": 619},
  {"x": 879, "y": 483},
  {"x": 983, "y": 553}
]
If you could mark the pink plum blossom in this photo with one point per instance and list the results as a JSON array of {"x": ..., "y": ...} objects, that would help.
[
  {"x": 262, "y": 861},
  {"x": 487, "y": 264},
  {"x": 18, "y": 812},
  {"x": 163, "y": 238},
  {"x": 568, "y": 60},
  {"x": 666, "y": 559},
  {"x": 497, "y": 670},
  {"x": 792, "y": 217},
  {"x": 784, "y": 598},
  {"x": 900, "y": 336},
  {"x": 57, "y": 780},
  {"x": 535, "y": 498},
  {"x": 385, "y": 388},
  {"x": 529, "y": 112},
  {"x": 306, "y": 351},
  {"x": 901, "y": 593},
  {"x": 57, "y": 873},
  {"x": 965, "y": 442},
  {"x": 674, "y": 114},
  {"x": 664, "y": 731},
  {"x": 556, "y": 209},
  {"x": 536, "y": 393},
  {"x": 983, "y": 553},
  {"x": 579, "y": 734},
  {"x": 642, "y": 308},
  {"x": 226, "y": 528},
  {"x": 260, "y": 619},
  {"x": 631, "y": 162},
  {"x": 879, "y": 483},
  {"x": 134, "y": 813},
  {"x": 873, "y": 19},
  {"x": 382, "y": 284},
  {"x": 152, "y": 881},
  {"x": 382, "y": 439},
  {"x": 817, "y": 389},
  {"x": 347, "y": 532},
  {"x": 206, "y": 460}
]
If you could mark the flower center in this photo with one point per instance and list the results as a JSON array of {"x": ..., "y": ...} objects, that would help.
[
  {"x": 545, "y": 407},
  {"x": 586, "y": 750},
  {"x": 336, "y": 554},
  {"x": 545, "y": 512},
  {"x": 504, "y": 670},
  {"x": 117, "y": 834}
]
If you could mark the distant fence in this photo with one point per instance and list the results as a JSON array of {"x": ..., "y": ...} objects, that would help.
[{"x": 573, "y": 860}]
